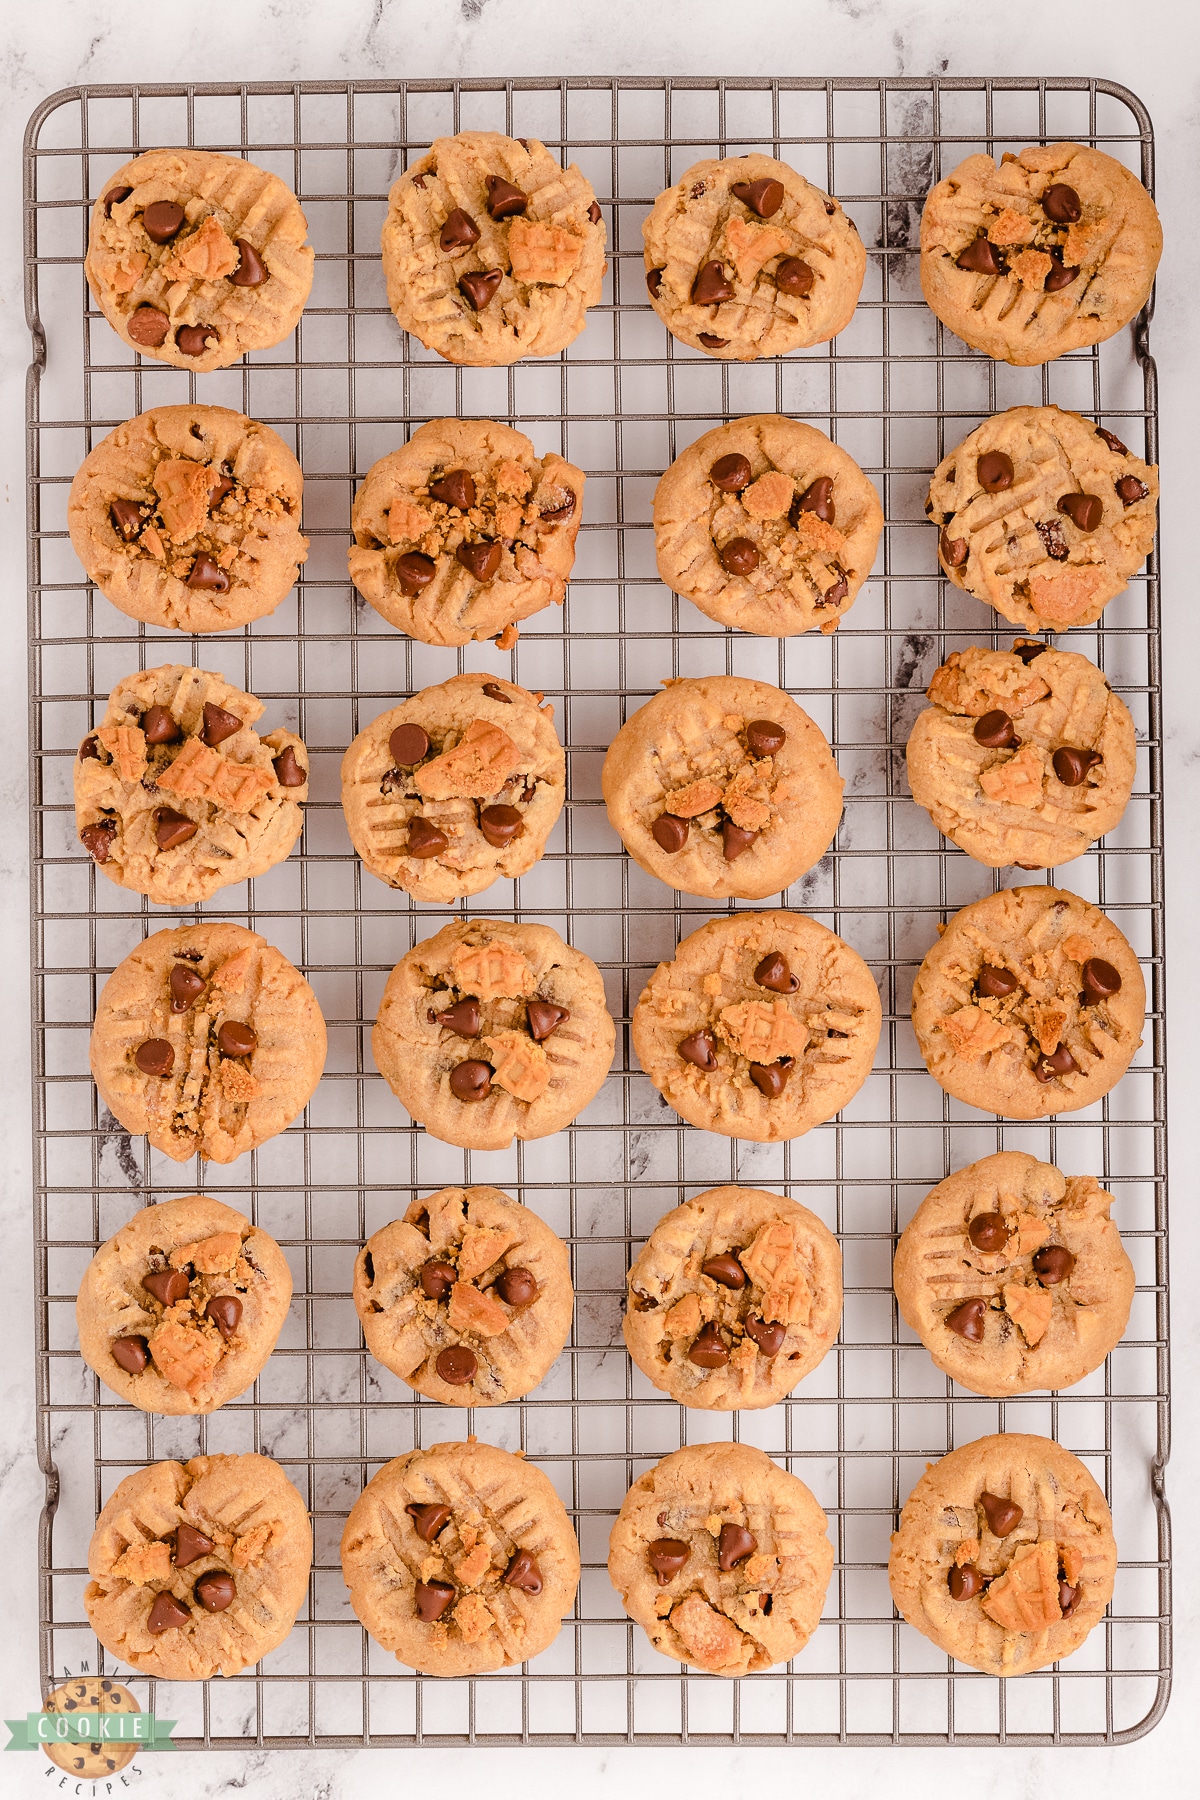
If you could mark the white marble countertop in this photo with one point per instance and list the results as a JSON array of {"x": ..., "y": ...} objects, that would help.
[{"x": 1153, "y": 49}]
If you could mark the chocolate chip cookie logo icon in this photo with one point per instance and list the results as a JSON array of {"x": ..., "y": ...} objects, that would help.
[{"x": 92, "y": 1728}]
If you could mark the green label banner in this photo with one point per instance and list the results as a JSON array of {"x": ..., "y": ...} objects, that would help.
[{"x": 38, "y": 1728}]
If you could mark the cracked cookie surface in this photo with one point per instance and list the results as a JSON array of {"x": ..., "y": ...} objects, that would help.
[
  {"x": 749, "y": 1281},
  {"x": 477, "y": 802},
  {"x": 460, "y": 1559},
  {"x": 1025, "y": 756},
  {"x": 1032, "y": 1002},
  {"x": 195, "y": 258},
  {"x": 199, "y": 1568},
  {"x": 491, "y": 250},
  {"x": 745, "y": 258},
  {"x": 1043, "y": 515},
  {"x": 465, "y": 1270},
  {"x": 722, "y": 1558},
  {"x": 766, "y": 525},
  {"x": 762, "y": 1026},
  {"x": 1013, "y": 1275},
  {"x": 176, "y": 795},
  {"x": 200, "y": 1334},
  {"x": 1042, "y": 253},
  {"x": 207, "y": 1040},
  {"x": 723, "y": 786},
  {"x": 489, "y": 1031},
  {"x": 1023, "y": 1531},
  {"x": 189, "y": 517},
  {"x": 464, "y": 530}
]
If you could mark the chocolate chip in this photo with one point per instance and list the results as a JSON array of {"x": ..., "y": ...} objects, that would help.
[
  {"x": 1053, "y": 541},
  {"x": 1072, "y": 765},
  {"x": 162, "y": 219},
  {"x": 834, "y": 595},
  {"x": 708, "y": 1351},
  {"x": 1060, "y": 275},
  {"x": 479, "y": 288},
  {"x": 764, "y": 197},
  {"x": 517, "y": 1287},
  {"x": 288, "y": 772},
  {"x": 459, "y": 230},
  {"x": 414, "y": 571},
  {"x": 1003, "y": 1516},
  {"x": 654, "y": 282},
  {"x": 1130, "y": 490},
  {"x": 471, "y": 1080},
  {"x": 250, "y": 271},
  {"x": 89, "y": 750},
  {"x": 1068, "y": 1598},
  {"x": 428, "y": 1520},
  {"x": 711, "y": 286},
  {"x": 967, "y": 1320},
  {"x": 436, "y": 1279},
  {"x": 995, "y": 731},
  {"x": 155, "y": 1057},
  {"x": 544, "y": 1019},
  {"x": 955, "y": 551},
  {"x": 739, "y": 557},
  {"x": 236, "y": 1039},
  {"x": 818, "y": 498},
  {"x": 166, "y": 1614},
  {"x": 500, "y": 825},
  {"x": 190, "y": 1546},
  {"x": 208, "y": 575},
  {"x": 523, "y": 1572},
  {"x": 481, "y": 559},
  {"x": 988, "y": 1232},
  {"x": 594, "y": 212},
  {"x": 725, "y": 1269},
  {"x": 1100, "y": 980},
  {"x": 431, "y": 1599},
  {"x": 193, "y": 340},
  {"x": 734, "y": 1545},
  {"x": 980, "y": 258},
  {"x": 148, "y": 327},
  {"x": 98, "y": 840},
  {"x": 186, "y": 986},
  {"x": 1061, "y": 203},
  {"x": 700, "y": 1049},
  {"x": 1059, "y": 1062},
  {"x": 735, "y": 839},
  {"x": 557, "y": 515},
  {"x": 964, "y": 1581},
  {"x": 114, "y": 197},
  {"x": 424, "y": 840},
  {"x": 218, "y": 724},
  {"x": 1113, "y": 441},
  {"x": 1028, "y": 651},
  {"x": 1052, "y": 1264},
  {"x": 131, "y": 1354},
  {"x": 172, "y": 828},
  {"x": 666, "y": 1557},
  {"x": 996, "y": 983},
  {"x": 126, "y": 516},
  {"x": 160, "y": 726},
  {"x": 463, "y": 1018},
  {"x": 773, "y": 972},
  {"x": 456, "y": 1365},
  {"x": 795, "y": 277},
  {"x": 712, "y": 343},
  {"x": 670, "y": 833},
  {"x": 768, "y": 1336},
  {"x": 455, "y": 488},
  {"x": 731, "y": 473},
  {"x": 166, "y": 1285},
  {"x": 408, "y": 745},
  {"x": 504, "y": 201},
  {"x": 1084, "y": 510},
  {"x": 994, "y": 471},
  {"x": 770, "y": 1078},
  {"x": 225, "y": 1311}
]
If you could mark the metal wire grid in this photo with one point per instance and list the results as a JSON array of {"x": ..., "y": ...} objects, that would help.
[{"x": 623, "y": 401}]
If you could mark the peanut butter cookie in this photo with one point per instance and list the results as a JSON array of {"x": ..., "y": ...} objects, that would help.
[
  {"x": 736, "y": 1297},
  {"x": 1031, "y": 1003},
  {"x": 464, "y": 530},
  {"x": 489, "y": 1031},
  {"x": 1043, "y": 515},
  {"x": 765, "y": 524},
  {"x": 764, "y": 1025},
  {"x": 176, "y": 795},
  {"x": 1005, "y": 1556},
  {"x": 207, "y": 1040},
  {"x": 491, "y": 250},
  {"x": 460, "y": 1559},
  {"x": 455, "y": 788},
  {"x": 722, "y": 1558},
  {"x": 1013, "y": 1275},
  {"x": 189, "y": 517},
  {"x": 744, "y": 258},
  {"x": 1026, "y": 756},
  {"x": 195, "y": 258},
  {"x": 199, "y": 1568},
  {"x": 723, "y": 786},
  {"x": 92, "y": 1761},
  {"x": 1043, "y": 253},
  {"x": 180, "y": 1310},
  {"x": 468, "y": 1298}
]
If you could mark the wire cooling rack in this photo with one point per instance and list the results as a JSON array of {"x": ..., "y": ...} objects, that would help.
[{"x": 896, "y": 391}]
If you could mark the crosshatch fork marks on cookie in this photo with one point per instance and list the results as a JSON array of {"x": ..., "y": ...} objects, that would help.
[{"x": 897, "y": 392}]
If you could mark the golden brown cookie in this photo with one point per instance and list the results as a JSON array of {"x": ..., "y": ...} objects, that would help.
[
  {"x": 489, "y": 1031},
  {"x": 1026, "y": 756},
  {"x": 764, "y": 1025},
  {"x": 1032, "y": 1002},
  {"x": 455, "y": 788},
  {"x": 722, "y": 1558},
  {"x": 1043, "y": 515},
  {"x": 189, "y": 516},
  {"x": 468, "y": 1298},
  {"x": 195, "y": 258},
  {"x": 460, "y": 1559},
  {"x": 736, "y": 1297},
  {"x": 1045, "y": 252},
  {"x": 1005, "y": 1556},
  {"x": 199, "y": 1568},
  {"x": 176, "y": 795},
  {"x": 491, "y": 250},
  {"x": 723, "y": 786},
  {"x": 94, "y": 1760},
  {"x": 744, "y": 258},
  {"x": 207, "y": 1040},
  {"x": 765, "y": 524},
  {"x": 178, "y": 1312}
]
